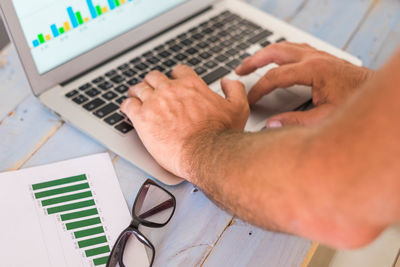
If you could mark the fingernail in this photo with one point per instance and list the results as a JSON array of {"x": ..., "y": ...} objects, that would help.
[{"x": 274, "y": 124}]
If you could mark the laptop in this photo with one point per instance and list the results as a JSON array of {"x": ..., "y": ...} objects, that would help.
[{"x": 81, "y": 56}]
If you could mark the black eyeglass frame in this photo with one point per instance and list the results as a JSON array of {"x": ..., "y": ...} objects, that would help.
[{"x": 136, "y": 221}]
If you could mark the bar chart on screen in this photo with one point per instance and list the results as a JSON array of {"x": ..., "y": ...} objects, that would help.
[
  {"x": 64, "y": 214},
  {"x": 57, "y": 31}
]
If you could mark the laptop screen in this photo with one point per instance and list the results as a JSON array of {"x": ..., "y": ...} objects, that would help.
[{"x": 60, "y": 30}]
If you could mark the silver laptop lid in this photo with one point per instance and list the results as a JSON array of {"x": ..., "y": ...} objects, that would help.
[{"x": 60, "y": 39}]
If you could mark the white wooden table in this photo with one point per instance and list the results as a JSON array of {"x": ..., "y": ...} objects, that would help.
[{"x": 200, "y": 233}]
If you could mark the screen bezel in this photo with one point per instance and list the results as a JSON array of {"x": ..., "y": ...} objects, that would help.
[{"x": 40, "y": 83}]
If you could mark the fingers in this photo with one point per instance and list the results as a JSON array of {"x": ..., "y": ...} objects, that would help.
[
  {"x": 141, "y": 91},
  {"x": 301, "y": 118},
  {"x": 283, "y": 53},
  {"x": 234, "y": 91},
  {"x": 131, "y": 107},
  {"x": 182, "y": 71},
  {"x": 281, "y": 77},
  {"x": 156, "y": 79}
]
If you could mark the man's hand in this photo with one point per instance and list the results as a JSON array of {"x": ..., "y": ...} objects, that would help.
[
  {"x": 332, "y": 79},
  {"x": 171, "y": 115}
]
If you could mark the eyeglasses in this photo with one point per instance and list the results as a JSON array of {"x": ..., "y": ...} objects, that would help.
[{"x": 153, "y": 207}]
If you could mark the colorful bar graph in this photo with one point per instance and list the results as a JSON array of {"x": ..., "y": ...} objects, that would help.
[
  {"x": 92, "y": 9},
  {"x": 72, "y": 17},
  {"x": 77, "y": 18},
  {"x": 48, "y": 37}
]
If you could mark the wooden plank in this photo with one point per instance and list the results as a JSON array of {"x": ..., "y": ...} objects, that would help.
[
  {"x": 14, "y": 86},
  {"x": 284, "y": 10},
  {"x": 379, "y": 36},
  {"x": 321, "y": 19},
  {"x": 24, "y": 131}
]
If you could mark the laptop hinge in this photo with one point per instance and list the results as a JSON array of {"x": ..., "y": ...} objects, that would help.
[{"x": 136, "y": 45}]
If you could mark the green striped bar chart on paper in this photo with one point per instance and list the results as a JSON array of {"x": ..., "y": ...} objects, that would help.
[{"x": 72, "y": 201}]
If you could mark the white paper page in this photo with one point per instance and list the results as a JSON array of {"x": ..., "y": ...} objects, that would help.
[{"x": 40, "y": 227}]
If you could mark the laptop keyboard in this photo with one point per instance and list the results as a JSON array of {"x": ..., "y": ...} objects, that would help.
[{"x": 213, "y": 49}]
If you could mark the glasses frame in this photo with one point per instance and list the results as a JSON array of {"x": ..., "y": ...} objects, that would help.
[{"x": 136, "y": 221}]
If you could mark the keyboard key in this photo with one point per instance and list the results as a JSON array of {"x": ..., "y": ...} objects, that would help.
[
  {"x": 171, "y": 42},
  {"x": 141, "y": 66},
  {"x": 107, "y": 109},
  {"x": 176, "y": 48},
  {"x": 159, "y": 68},
  {"x": 109, "y": 95},
  {"x": 187, "y": 42},
  {"x": 180, "y": 57},
  {"x": 191, "y": 51},
  {"x": 111, "y": 73},
  {"x": 93, "y": 92},
  {"x": 198, "y": 36},
  {"x": 221, "y": 58},
  {"x": 143, "y": 75},
  {"x": 136, "y": 60},
  {"x": 244, "y": 55},
  {"x": 121, "y": 99},
  {"x": 280, "y": 40},
  {"x": 72, "y": 93},
  {"x": 123, "y": 67},
  {"x": 117, "y": 79},
  {"x": 216, "y": 49},
  {"x": 153, "y": 60},
  {"x": 208, "y": 31},
  {"x": 92, "y": 105},
  {"x": 98, "y": 80},
  {"x": 124, "y": 127},
  {"x": 133, "y": 81},
  {"x": 182, "y": 36},
  {"x": 210, "y": 64},
  {"x": 223, "y": 33},
  {"x": 85, "y": 87},
  {"x": 200, "y": 70},
  {"x": 129, "y": 73},
  {"x": 114, "y": 118},
  {"x": 232, "y": 52},
  {"x": 216, "y": 75},
  {"x": 122, "y": 89},
  {"x": 202, "y": 45},
  {"x": 242, "y": 46},
  {"x": 265, "y": 43},
  {"x": 262, "y": 35},
  {"x": 226, "y": 43},
  {"x": 80, "y": 99},
  {"x": 205, "y": 55},
  {"x": 148, "y": 54},
  {"x": 106, "y": 85},
  {"x": 233, "y": 63},
  {"x": 169, "y": 63},
  {"x": 194, "y": 61},
  {"x": 159, "y": 48},
  {"x": 213, "y": 39},
  {"x": 164, "y": 54}
]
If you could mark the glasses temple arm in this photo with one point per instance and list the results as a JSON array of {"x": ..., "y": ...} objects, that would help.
[{"x": 161, "y": 207}]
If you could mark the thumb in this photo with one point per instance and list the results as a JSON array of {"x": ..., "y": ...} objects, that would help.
[
  {"x": 234, "y": 91},
  {"x": 302, "y": 118}
]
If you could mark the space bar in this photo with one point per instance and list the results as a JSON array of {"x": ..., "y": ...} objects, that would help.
[{"x": 215, "y": 75}]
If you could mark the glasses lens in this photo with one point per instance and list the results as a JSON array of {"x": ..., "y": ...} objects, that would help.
[
  {"x": 131, "y": 251},
  {"x": 154, "y": 205},
  {"x": 137, "y": 253}
]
